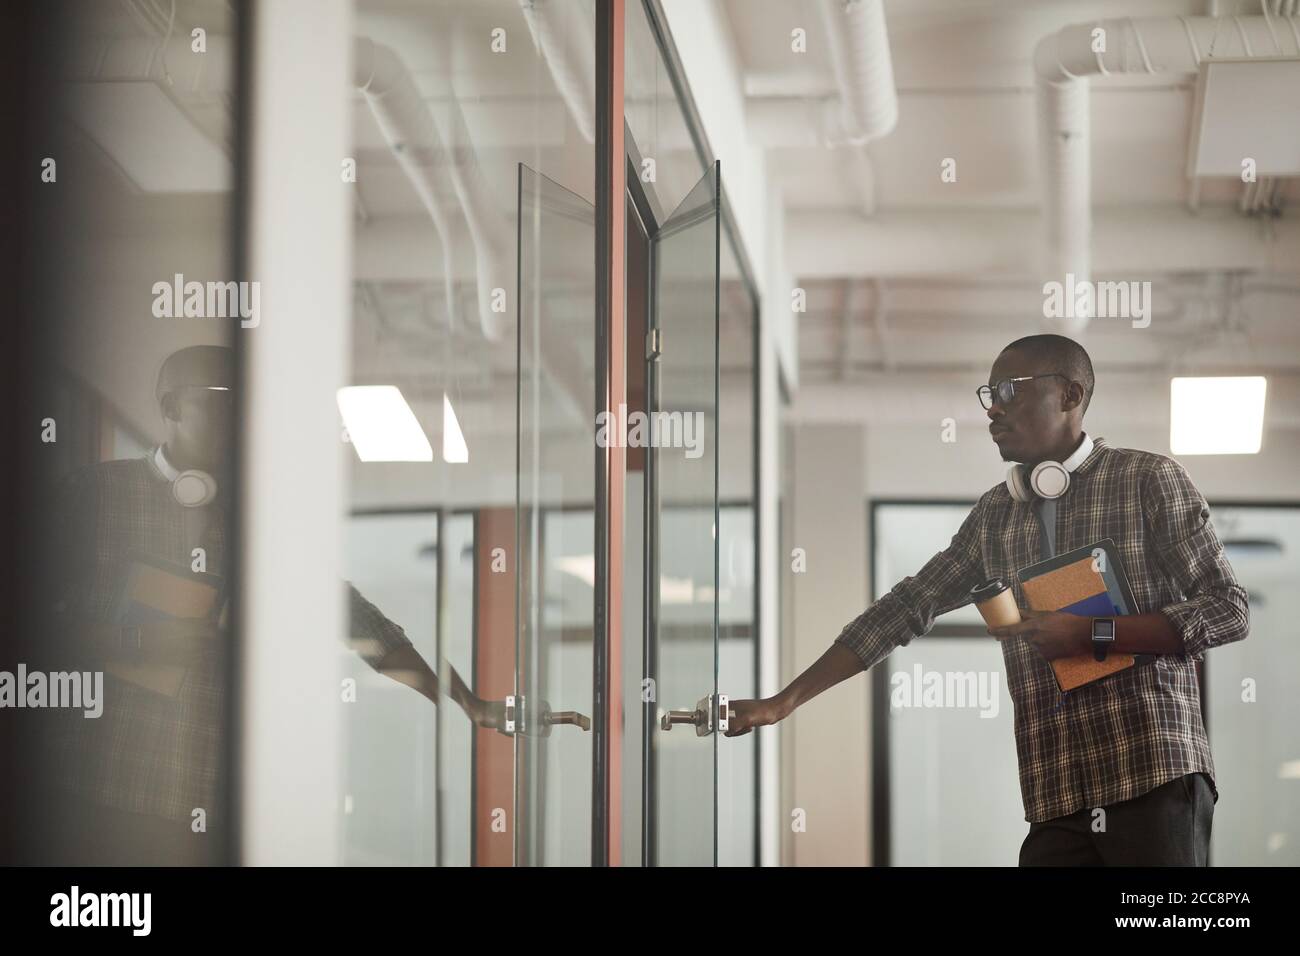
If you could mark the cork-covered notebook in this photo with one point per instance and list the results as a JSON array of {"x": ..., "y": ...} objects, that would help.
[
  {"x": 153, "y": 590},
  {"x": 1089, "y": 581}
]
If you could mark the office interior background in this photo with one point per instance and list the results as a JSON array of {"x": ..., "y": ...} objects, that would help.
[{"x": 477, "y": 224}]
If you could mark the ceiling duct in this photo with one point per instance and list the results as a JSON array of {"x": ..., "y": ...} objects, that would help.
[
  {"x": 420, "y": 149},
  {"x": 859, "y": 48},
  {"x": 566, "y": 39},
  {"x": 1064, "y": 62}
]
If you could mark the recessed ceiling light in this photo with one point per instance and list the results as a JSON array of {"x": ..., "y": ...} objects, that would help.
[
  {"x": 454, "y": 449},
  {"x": 381, "y": 425},
  {"x": 1216, "y": 415}
]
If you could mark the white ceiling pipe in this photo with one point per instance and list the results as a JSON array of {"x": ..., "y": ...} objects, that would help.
[
  {"x": 418, "y": 141},
  {"x": 403, "y": 119},
  {"x": 1065, "y": 145},
  {"x": 419, "y": 148},
  {"x": 1170, "y": 46},
  {"x": 494, "y": 246},
  {"x": 565, "y": 38},
  {"x": 149, "y": 58},
  {"x": 859, "y": 49},
  {"x": 1063, "y": 63}
]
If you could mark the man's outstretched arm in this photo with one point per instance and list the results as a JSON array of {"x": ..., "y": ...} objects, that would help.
[
  {"x": 837, "y": 664},
  {"x": 383, "y": 645},
  {"x": 406, "y": 666},
  {"x": 907, "y": 611}
]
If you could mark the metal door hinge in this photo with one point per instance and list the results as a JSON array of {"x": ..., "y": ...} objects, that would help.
[{"x": 653, "y": 345}]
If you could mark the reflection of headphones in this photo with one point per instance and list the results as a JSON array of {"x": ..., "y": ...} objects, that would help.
[
  {"x": 1049, "y": 479},
  {"x": 191, "y": 488}
]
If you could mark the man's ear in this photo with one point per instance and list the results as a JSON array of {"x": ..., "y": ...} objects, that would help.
[
  {"x": 1073, "y": 396},
  {"x": 171, "y": 408}
]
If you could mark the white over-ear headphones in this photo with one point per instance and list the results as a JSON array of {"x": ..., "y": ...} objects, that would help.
[
  {"x": 191, "y": 488},
  {"x": 1049, "y": 479}
]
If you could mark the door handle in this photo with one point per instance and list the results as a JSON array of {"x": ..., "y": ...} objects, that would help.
[
  {"x": 711, "y": 712},
  {"x": 680, "y": 717},
  {"x": 520, "y": 718},
  {"x": 567, "y": 717}
]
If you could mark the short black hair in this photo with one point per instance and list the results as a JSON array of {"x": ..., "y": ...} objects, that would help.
[{"x": 1062, "y": 355}]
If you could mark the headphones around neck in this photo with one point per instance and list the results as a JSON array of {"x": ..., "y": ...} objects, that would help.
[
  {"x": 192, "y": 488},
  {"x": 1048, "y": 479}
]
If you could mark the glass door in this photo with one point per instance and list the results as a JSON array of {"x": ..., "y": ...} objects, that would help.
[
  {"x": 550, "y": 714},
  {"x": 685, "y": 712}
]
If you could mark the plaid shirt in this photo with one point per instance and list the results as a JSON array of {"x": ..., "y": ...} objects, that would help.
[
  {"x": 149, "y": 753},
  {"x": 1128, "y": 733}
]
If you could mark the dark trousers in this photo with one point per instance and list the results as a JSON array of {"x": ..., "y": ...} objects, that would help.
[{"x": 1167, "y": 826}]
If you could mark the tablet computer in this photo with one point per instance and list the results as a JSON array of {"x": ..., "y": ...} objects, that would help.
[{"x": 1107, "y": 562}]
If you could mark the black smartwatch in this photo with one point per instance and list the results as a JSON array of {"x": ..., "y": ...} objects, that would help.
[{"x": 1103, "y": 636}]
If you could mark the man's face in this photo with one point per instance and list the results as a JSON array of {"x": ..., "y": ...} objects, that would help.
[
  {"x": 200, "y": 422},
  {"x": 1029, "y": 426}
]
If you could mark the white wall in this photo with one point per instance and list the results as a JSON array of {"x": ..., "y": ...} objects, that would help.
[
  {"x": 826, "y": 762},
  {"x": 300, "y": 250}
]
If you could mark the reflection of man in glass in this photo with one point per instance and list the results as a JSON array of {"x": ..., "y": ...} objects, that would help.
[{"x": 141, "y": 552}]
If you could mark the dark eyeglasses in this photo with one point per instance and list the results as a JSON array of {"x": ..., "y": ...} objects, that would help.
[
  {"x": 212, "y": 395},
  {"x": 1005, "y": 390}
]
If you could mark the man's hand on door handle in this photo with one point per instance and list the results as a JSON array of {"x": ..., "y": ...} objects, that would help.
[
  {"x": 489, "y": 714},
  {"x": 745, "y": 715},
  {"x": 836, "y": 664}
]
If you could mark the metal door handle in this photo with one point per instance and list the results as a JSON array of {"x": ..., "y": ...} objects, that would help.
[
  {"x": 711, "y": 712},
  {"x": 568, "y": 717},
  {"x": 680, "y": 717},
  {"x": 519, "y": 718}
]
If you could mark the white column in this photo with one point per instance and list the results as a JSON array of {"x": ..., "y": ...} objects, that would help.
[{"x": 299, "y": 244}]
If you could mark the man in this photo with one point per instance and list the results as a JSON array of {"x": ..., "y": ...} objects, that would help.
[
  {"x": 1132, "y": 743},
  {"x": 127, "y": 784}
]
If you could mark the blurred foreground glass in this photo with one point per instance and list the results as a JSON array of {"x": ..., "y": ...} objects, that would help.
[{"x": 125, "y": 753}]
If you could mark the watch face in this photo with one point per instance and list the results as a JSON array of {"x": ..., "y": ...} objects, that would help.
[{"x": 1103, "y": 629}]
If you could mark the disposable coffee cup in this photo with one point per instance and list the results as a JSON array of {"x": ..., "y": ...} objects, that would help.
[{"x": 996, "y": 603}]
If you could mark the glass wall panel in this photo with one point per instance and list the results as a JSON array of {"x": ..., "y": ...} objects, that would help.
[
  {"x": 787, "y": 666},
  {"x": 958, "y": 767},
  {"x": 557, "y": 527},
  {"x": 670, "y": 163},
  {"x": 684, "y": 545},
  {"x": 449, "y": 98},
  {"x": 737, "y": 555},
  {"x": 393, "y": 560},
  {"x": 954, "y": 785},
  {"x": 1253, "y": 697}
]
